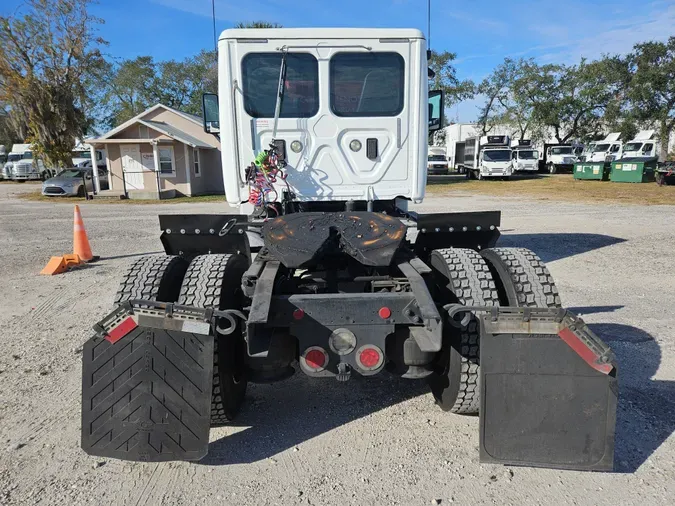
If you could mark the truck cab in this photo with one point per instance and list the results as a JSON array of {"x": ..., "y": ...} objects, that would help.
[
  {"x": 23, "y": 166},
  {"x": 351, "y": 124},
  {"x": 643, "y": 146},
  {"x": 524, "y": 157},
  {"x": 607, "y": 150},
  {"x": 560, "y": 158}
]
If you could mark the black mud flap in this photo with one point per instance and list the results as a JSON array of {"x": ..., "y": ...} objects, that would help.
[
  {"x": 146, "y": 384},
  {"x": 548, "y": 389}
]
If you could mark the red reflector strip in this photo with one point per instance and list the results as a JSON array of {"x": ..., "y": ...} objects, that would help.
[
  {"x": 121, "y": 330},
  {"x": 581, "y": 349}
]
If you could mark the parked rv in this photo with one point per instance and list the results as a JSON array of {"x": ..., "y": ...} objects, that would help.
[
  {"x": 488, "y": 156},
  {"x": 437, "y": 160},
  {"x": 524, "y": 157}
]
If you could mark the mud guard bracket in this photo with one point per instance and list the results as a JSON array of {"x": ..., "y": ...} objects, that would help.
[{"x": 146, "y": 383}]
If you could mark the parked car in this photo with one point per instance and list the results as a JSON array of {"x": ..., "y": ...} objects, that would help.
[{"x": 74, "y": 181}]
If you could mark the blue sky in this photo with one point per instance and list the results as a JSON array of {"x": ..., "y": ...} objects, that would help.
[{"x": 481, "y": 32}]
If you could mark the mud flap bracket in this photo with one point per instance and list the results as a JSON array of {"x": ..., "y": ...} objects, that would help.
[{"x": 146, "y": 383}]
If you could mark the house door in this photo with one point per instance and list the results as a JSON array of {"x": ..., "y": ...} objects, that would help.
[{"x": 132, "y": 166}]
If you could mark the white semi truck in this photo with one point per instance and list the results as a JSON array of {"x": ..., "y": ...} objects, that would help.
[
  {"x": 643, "y": 146},
  {"x": 524, "y": 157},
  {"x": 487, "y": 156},
  {"x": 606, "y": 150},
  {"x": 23, "y": 166},
  {"x": 324, "y": 272}
]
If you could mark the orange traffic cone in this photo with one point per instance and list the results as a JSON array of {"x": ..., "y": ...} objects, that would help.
[{"x": 81, "y": 246}]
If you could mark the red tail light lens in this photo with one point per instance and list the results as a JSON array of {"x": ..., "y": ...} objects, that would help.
[
  {"x": 369, "y": 357},
  {"x": 314, "y": 359}
]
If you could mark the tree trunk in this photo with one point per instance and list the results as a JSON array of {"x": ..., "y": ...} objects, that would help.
[{"x": 664, "y": 136}]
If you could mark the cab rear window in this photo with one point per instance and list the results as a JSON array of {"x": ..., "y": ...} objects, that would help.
[
  {"x": 366, "y": 84},
  {"x": 260, "y": 75}
]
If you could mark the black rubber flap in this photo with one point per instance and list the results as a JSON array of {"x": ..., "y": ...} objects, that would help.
[
  {"x": 542, "y": 405},
  {"x": 147, "y": 397}
]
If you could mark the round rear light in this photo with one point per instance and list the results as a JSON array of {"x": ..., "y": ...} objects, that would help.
[
  {"x": 314, "y": 359},
  {"x": 342, "y": 341},
  {"x": 369, "y": 357}
]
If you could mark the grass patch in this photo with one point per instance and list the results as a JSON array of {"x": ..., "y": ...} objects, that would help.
[
  {"x": 560, "y": 187},
  {"x": 37, "y": 196}
]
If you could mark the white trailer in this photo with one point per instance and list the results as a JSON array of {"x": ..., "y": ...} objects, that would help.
[
  {"x": 524, "y": 157},
  {"x": 487, "y": 156}
]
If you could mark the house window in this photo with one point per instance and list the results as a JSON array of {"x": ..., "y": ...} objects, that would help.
[
  {"x": 166, "y": 160},
  {"x": 195, "y": 157},
  {"x": 143, "y": 132}
]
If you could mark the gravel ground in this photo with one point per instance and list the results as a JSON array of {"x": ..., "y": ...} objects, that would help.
[{"x": 378, "y": 441}]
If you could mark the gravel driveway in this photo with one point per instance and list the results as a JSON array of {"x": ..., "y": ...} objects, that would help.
[{"x": 302, "y": 441}]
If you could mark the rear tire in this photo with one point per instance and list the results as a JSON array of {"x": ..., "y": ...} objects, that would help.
[
  {"x": 522, "y": 279},
  {"x": 214, "y": 281},
  {"x": 153, "y": 277},
  {"x": 551, "y": 168},
  {"x": 461, "y": 276}
]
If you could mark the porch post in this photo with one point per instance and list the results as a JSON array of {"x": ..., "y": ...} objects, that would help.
[
  {"x": 187, "y": 169},
  {"x": 94, "y": 168},
  {"x": 155, "y": 153}
]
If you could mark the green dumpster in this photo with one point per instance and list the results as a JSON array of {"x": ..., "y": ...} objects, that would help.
[
  {"x": 592, "y": 170},
  {"x": 634, "y": 170}
]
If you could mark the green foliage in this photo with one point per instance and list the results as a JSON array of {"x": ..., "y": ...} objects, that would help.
[
  {"x": 137, "y": 84},
  {"x": 446, "y": 78},
  {"x": 571, "y": 101},
  {"x": 652, "y": 87},
  {"x": 50, "y": 65},
  {"x": 257, "y": 24}
]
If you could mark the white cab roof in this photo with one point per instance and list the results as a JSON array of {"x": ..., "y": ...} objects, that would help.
[
  {"x": 644, "y": 135},
  {"x": 20, "y": 148},
  {"x": 614, "y": 136},
  {"x": 321, "y": 33}
]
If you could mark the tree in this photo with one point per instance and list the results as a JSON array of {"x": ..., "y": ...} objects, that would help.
[
  {"x": 134, "y": 85},
  {"x": 570, "y": 100},
  {"x": 128, "y": 91},
  {"x": 257, "y": 24},
  {"x": 445, "y": 78},
  {"x": 50, "y": 62},
  {"x": 496, "y": 88},
  {"x": 652, "y": 87}
]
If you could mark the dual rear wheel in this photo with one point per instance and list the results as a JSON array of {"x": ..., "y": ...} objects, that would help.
[
  {"x": 208, "y": 281},
  {"x": 493, "y": 277}
]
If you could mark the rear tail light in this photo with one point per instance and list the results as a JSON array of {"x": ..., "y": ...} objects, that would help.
[
  {"x": 314, "y": 359},
  {"x": 369, "y": 357}
]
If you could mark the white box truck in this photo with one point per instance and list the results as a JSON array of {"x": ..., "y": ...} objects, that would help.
[
  {"x": 524, "y": 157},
  {"x": 487, "y": 156},
  {"x": 437, "y": 163}
]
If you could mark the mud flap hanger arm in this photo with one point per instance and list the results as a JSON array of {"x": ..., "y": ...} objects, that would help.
[
  {"x": 170, "y": 311},
  {"x": 527, "y": 320}
]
